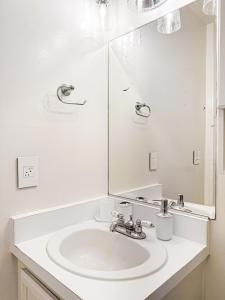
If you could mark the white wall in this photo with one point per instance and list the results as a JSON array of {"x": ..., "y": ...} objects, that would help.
[
  {"x": 168, "y": 73},
  {"x": 43, "y": 46}
]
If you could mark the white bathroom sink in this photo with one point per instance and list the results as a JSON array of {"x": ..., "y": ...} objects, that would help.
[{"x": 91, "y": 250}]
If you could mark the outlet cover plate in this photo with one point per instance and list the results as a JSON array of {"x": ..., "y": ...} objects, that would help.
[{"x": 28, "y": 171}]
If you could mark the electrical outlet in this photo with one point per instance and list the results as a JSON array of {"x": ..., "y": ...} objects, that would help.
[{"x": 28, "y": 171}]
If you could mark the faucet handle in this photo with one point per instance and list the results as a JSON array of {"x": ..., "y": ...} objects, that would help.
[
  {"x": 138, "y": 227},
  {"x": 118, "y": 217},
  {"x": 138, "y": 222},
  {"x": 115, "y": 214}
]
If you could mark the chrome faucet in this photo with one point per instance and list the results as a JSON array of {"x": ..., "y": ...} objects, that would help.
[
  {"x": 180, "y": 201},
  {"x": 179, "y": 204},
  {"x": 129, "y": 228}
]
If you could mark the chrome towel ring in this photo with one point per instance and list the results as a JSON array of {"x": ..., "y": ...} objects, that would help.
[
  {"x": 143, "y": 110},
  {"x": 64, "y": 91}
]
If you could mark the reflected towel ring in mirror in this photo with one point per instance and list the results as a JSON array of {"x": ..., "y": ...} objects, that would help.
[
  {"x": 143, "y": 110},
  {"x": 64, "y": 91}
]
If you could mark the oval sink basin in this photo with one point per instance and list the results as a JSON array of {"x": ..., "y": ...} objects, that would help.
[{"x": 91, "y": 250}]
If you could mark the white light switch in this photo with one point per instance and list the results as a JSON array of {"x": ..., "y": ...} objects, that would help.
[
  {"x": 28, "y": 173},
  {"x": 153, "y": 161},
  {"x": 196, "y": 157}
]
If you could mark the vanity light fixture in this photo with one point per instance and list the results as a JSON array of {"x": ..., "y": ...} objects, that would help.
[
  {"x": 144, "y": 5},
  {"x": 169, "y": 23},
  {"x": 209, "y": 7}
]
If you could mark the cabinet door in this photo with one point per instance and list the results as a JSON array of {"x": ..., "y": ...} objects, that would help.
[{"x": 32, "y": 289}]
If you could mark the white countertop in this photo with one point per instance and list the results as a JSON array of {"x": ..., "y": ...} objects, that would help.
[{"x": 183, "y": 256}]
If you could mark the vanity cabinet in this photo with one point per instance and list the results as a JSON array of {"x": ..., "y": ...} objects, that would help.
[{"x": 31, "y": 288}]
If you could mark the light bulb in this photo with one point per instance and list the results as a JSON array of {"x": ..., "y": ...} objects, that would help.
[{"x": 169, "y": 23}]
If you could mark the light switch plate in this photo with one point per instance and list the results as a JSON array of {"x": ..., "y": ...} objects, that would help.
[
  {"x": 196, "y": 157},
  {"x": 153, "y": 161},
  {"x": 28, "y": 171}
]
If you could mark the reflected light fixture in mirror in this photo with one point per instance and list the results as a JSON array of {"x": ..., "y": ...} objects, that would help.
[
  {"x": 105, "y": 14},
  {"x": 102, "y": 2},
  {"x": 169, "y": 23},
  {"x": 144, "y": 5},
  {"x": 209, "y": 7}
]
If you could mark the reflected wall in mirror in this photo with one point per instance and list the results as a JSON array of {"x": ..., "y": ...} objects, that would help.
[{"x": 162, "y": 111}]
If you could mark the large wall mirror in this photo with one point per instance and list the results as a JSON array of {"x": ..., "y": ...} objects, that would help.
[{"x": 162, "y": 111}]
